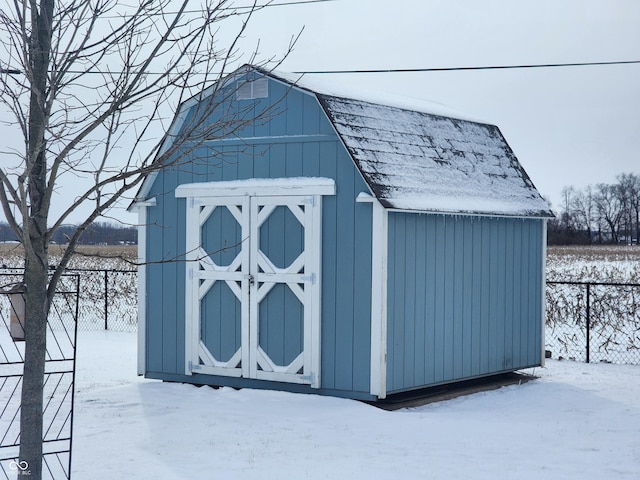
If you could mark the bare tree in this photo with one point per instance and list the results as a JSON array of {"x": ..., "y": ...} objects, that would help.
[
  {"x": 88, "y": 84},
  {"x": 629, "y": 194},
  {"x": 635, "y": 205},
  {"x": 583, "y": 210},
  {"x": 610, "y": 208},
  {"x": 567, "y": 218}
]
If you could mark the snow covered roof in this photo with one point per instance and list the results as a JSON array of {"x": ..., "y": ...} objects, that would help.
[
  {"x": 335, "y": 88},
  {"x": 416, "y": 160}
]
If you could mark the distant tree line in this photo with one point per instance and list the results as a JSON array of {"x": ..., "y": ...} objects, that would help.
[
  {"x": 100, "y": 233},
  {"x": 602, "y": 213}
]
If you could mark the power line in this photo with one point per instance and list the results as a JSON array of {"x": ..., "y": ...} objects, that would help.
[
  {"x": 387, "y": 70},
  {"x": 282, "y": 4},
  {"x": 264, "y": 5},
  {"x": 453, "y": 69},
  {"x": 261, "y": 6},
  {"x": 248, "y": 8},
  {"x": 417, "y": 70},
  {"x": 392, "y": 70}
]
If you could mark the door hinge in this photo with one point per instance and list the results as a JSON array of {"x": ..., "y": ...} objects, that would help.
[
  {"x": 309, "y": 200},
  {"x": 309, "y": 278},
  {"x": 194, "y": 367},
  {"x": 309, "y": 378}
]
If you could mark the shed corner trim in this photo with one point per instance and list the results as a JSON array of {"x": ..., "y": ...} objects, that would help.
[
  {"x": 379, "y": 257},
  {"x": 141, "y": 206}
]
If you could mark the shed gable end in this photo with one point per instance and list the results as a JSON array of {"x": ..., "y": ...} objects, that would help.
[{"x": 295, "y": 140}]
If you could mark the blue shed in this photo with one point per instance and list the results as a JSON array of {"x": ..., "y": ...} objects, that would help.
[{"x": 338, "y": 246}]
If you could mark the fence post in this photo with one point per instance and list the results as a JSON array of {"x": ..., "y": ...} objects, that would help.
[
  {"x": 106, "y": 300},
  {"x": 588, "y": 319}
]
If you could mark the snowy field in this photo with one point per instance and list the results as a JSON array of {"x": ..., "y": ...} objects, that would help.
[
  {"x": 594, "y": 263},
  {"x": 576, "y": 421}
]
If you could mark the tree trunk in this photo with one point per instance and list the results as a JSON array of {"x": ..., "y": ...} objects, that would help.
[
  {"x": 36, "y": 242},
  {"x": 37, "y": 310},
  {"x": 31, "y": 419}
]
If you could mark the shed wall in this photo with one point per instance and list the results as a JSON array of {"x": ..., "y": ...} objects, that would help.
[
  {"x": 299, "y": 141},
  {"x": 464, "y": 297}
]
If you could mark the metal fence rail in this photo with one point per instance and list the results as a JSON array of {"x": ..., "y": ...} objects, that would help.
[
  {"x": 593, "y": 321},
  {"x": 59, "y": 379}
]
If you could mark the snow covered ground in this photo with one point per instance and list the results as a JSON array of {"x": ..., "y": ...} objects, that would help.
[{"x": 576, "y": 421}]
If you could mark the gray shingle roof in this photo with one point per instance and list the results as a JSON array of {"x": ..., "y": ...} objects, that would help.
[{"x": 419, "y": 161}]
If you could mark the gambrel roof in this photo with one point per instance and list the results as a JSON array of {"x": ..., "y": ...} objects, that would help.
[{"x": 422, "y": 160}]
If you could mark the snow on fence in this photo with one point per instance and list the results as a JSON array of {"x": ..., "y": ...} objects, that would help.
[{"x": 593, "y": 321}]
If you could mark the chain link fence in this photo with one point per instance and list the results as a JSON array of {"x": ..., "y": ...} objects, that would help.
[
  {"x": 593, "y": 322},
  {"x": 108, "y": 299},
  {"x": 585, "y": 321}
]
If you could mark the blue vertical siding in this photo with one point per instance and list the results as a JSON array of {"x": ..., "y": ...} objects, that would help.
[
  {"x": 361, "y": 365},
  {"x": 328, "y": 169},
  {"x": 281, "y": 330},
  {"x": 346, "y": 277},
  {"x": 154, "y": 320},
  {"x": 165, "y": 346},
  {"x": 281, "y": 313},
  {"x": 282, "y": 237},
  {"x": 220, "y": 310},
  {"x": 220, "y": 321},
  {"x": 299, "y": 141},
  {"x": 463, "y": 297}
]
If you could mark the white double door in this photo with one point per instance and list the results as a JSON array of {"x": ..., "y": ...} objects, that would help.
[{"x": 253, "y": 286}]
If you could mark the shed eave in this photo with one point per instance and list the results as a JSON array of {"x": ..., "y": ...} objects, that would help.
[{"x": 469, "y": 213}]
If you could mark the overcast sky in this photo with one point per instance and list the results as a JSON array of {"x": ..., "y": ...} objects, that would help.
[{"x": 568, "y": 126}]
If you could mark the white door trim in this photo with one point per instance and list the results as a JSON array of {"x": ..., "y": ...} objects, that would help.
[
  {"x": 198, "y": 211},
  {"x": 202, "y": 199}
]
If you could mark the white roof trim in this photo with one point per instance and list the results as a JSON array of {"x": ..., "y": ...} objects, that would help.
[
  {"x": 364, "y": 197},
  {"x": 259, "y": 186}
]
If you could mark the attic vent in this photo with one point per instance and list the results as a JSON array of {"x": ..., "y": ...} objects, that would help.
[{"x": 255, "y": 89}]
